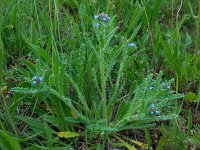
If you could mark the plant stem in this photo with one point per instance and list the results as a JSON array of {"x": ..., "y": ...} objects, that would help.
[
  {"x": 197, "y": 30},
  {"x": 1, "y": 58},
  {"x": 9, "y": 117},
  {"x": 148, "y": 25},
  {"x": 1, "y": 72},
  {"x": 103, "y": 85},
  {"x": 37, "y": 18},
  {"x": 197, "y": 35},
  {"x": 172, "y": 22}
]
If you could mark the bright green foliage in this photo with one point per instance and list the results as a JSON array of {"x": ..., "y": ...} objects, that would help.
[
  {"x": 8, "y": 142},
  {"x": 171, "y": 139},
  {"x": 69, "y": 72},
  {"x": 128, "y": 146},
  {"x": 97, "y": 89},
  {"x": 68, "y": 134},
  {"x": 1, "y": 58},
  {"x": 190, "y": 97}
]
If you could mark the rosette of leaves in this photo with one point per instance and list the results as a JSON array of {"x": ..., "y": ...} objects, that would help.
[{"x": 87, "y": 89}]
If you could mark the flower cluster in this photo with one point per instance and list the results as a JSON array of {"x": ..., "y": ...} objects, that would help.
[
  {"x": 154, "y": 110},
  {"x": 151, "y": 87},
  {"x": 36, "y": 80},
  {"x": 165, "y": 85},
  {"x": 102, "y": 17},
  {"x": 97, "y": 25},
  {"x": 131, "y": 44}
]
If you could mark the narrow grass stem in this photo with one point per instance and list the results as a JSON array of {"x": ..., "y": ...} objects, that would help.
[
  {"x": 177, "y": 19},
  {"x": 1, "y": 58},
  {"x": 38, "y": 23},
  {"x": 197, "y": 35},
  {"x": 1, "y": 72},
  {"x": 148, "y": 25},
  {"x": 197, "y": 30},
  {"x": 172, "y": 22},
  {"x": 9, "y": 117}
]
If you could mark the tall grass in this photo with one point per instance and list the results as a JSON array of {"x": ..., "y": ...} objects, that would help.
[
  {"x": 78, "y": 80},
  {"x": 197, "y": 29},
  {"x": 1, "y": 68},
  {"x": 1, "y": 55}
]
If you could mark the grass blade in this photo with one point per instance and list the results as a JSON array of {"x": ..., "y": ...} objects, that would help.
[
  {"x": 1, "y": 58},
  {"x": 128, "y": 146},
  {"x": 8, "y": 142}
]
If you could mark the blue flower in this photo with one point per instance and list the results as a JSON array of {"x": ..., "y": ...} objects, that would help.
[
  {"x": 102, "y": 17},
  {"x": 163, "y": 84},
  {"x": 34, "y": 77},
  {"x": 151, "y": 87},
  {"x": 97, "y": 25},
  {"x": 152, "y": 105},
  {"x": 105, "y": 19},
  {"x": 131, "y": 44},
  {"x": 96, "y": 17},
  {"x": 157, "y": 112},
  {"x": 37, "y": 79},
  {"x": 34, "y": 82},
  {"x": 41, "y": 79},
  {"x": 151, "y": 112},
  {"x": 154, "y": 110}
]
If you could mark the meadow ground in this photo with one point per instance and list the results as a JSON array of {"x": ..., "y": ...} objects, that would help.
[{"x": 107, "y": 74}]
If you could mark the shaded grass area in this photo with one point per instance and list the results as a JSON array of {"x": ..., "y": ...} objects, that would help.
[{"x": 99, "y": 74}]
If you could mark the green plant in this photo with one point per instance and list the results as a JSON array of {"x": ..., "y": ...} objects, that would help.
[
  {"x": 85, "y": 71},
  {"x": 97, "y": 102},
  {"x": 171, "y": 139}
]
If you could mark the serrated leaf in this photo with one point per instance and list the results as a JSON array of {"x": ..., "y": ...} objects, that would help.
[
  {"x": 140, "y": 144},
  {"x": 128, "y": 146},
  {"x": 27, "y": 90}
]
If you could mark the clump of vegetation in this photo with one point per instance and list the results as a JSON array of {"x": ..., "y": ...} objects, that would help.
[{"x": 99, "y": 74}]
